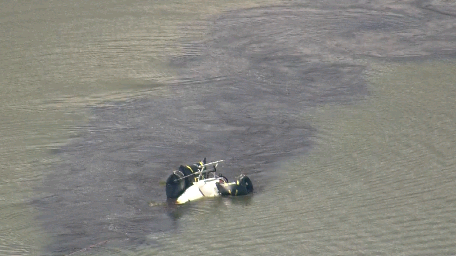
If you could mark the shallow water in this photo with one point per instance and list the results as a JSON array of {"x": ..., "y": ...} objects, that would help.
[{"x": 340, "y": 112}]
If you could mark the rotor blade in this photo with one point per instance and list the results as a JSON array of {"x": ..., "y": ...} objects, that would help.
[
  {"x": 211, "y": 163},
  {"x": 202, "y": 170}
]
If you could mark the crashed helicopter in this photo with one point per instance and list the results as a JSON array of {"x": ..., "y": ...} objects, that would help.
[{"x": 192, "y": 182}]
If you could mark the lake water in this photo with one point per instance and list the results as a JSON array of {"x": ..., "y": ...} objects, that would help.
[{"x": 341, "y": 113}]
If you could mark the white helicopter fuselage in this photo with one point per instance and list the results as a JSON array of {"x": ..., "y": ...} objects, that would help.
[{"x": 200, "y": 189}]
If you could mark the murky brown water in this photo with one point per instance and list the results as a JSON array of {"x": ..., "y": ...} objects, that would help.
[{"x": 341, "y": 113}]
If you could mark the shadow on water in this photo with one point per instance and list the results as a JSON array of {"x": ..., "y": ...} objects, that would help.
[{"x": 240, "y": 98}]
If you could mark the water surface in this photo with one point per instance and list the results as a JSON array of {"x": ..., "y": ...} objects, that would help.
[{"x": 339, "y": 111}]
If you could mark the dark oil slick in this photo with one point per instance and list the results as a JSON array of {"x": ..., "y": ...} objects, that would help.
[{"x": 239, "y": 93}]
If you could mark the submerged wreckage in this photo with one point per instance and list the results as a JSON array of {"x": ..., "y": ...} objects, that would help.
[{"x": 192, "y": 182}]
